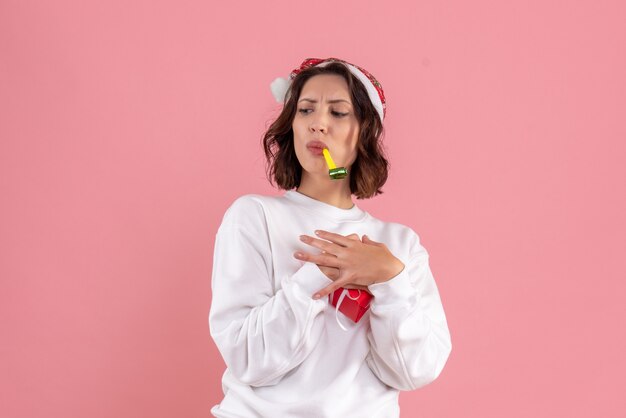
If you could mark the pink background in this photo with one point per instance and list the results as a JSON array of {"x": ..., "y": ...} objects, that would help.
[{"x": 127, "y": 128}]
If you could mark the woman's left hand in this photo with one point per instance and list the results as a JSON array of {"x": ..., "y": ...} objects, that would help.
[{"x": 361, "y": 263}]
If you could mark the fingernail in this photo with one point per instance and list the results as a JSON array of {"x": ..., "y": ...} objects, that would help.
[
  {"x": 317, "y": 232},
  {"x": 298, "y": 254},
  {"x": 316, "y": 296}
]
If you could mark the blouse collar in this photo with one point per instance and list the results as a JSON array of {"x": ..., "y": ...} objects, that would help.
[{"x": 325, "y": 209}]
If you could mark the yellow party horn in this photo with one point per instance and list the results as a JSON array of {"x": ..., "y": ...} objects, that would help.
[{"x": 334, "y": 172}]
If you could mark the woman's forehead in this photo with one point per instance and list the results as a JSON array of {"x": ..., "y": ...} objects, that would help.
[{"x": 326, "y": 83}]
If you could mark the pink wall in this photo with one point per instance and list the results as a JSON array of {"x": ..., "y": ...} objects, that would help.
[{"x": 505, "y": 132}]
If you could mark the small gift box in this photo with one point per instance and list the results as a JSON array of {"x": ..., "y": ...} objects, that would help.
[{"x": 353, "y": 303}]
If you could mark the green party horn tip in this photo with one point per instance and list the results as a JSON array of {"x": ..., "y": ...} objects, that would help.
[
  {"x": 338, "y": 173},
  {"x": 334, "y": 172}
]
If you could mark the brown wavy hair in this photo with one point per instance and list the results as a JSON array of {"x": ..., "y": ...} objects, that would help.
[{"x": 370, "y": 169}]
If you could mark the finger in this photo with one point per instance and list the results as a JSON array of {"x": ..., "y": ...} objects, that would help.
[
  {"x": 354, "y": 237},
  {"x": 329, "y": 289},
  {"x": 332, "y": 237},
  {"x": 332, "y": 273},
  {"x": 323, "y": 259},
  {"x": 368, "y": 240},
  {"x": 318, "y": 243}
]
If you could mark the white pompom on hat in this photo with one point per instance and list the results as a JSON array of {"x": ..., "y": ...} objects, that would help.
[
  {"x": 374, "y": 89},
  {"x": 279, "y": 88}
]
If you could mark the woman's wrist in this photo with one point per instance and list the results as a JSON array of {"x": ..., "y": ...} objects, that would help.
[{"x": 391, "y": 270}]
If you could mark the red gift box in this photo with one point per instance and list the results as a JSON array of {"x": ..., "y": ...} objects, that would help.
[{"x": 354, "y": 304}]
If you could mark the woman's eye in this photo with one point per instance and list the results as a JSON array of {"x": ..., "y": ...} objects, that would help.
[{"x": 338, "y": 114}]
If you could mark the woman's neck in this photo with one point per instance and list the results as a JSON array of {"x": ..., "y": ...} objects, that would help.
[{"x": 334, "y": 192}]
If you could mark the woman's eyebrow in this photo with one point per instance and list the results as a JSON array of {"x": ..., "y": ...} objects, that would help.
[{"x": 329, "y": 101}]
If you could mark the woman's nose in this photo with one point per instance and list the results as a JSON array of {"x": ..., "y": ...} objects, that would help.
[
  {"x": 319, "y": 122},
  {"x": 318, "y": 127}
]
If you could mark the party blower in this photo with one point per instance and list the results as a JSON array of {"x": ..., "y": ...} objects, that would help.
[{"x": 334, "y": 172}]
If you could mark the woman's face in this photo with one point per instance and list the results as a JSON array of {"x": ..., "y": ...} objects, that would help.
[{"x": 325, "y": 113}]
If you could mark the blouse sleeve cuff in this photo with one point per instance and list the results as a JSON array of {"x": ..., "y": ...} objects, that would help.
[{"x": 308, "y": 280}]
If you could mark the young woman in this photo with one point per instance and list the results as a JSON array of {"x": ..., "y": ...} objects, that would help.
[{"x": 288, "y": 353}]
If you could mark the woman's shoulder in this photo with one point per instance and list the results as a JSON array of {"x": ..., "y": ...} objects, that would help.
[
  {"x": 396, "y": 231},
  {"x": 247, "y": 210},
  {"x": 251, "y": 201},
  {"x": 392, "y": 226}
]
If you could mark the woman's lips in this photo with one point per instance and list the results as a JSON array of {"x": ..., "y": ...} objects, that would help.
[
  {"x": 316, "y": 146},
  {"x": 316, "y": 150}
]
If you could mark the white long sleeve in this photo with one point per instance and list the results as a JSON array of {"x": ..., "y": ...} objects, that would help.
[
  {"x": 409, "y": 337},
  {"x": 285, "y": 353},
  {"x": 248, "y": 321}
]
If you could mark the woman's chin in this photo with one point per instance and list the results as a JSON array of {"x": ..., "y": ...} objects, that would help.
[{"x": 317, "y": 172}]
